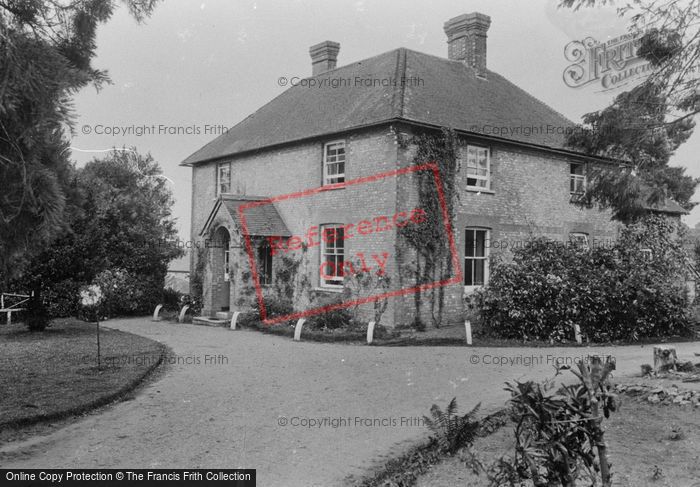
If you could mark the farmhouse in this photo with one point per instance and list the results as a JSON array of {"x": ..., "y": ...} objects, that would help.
[{"x": 326, "y": 155}]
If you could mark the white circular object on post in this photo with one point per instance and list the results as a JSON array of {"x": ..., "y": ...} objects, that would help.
[{"x": 297, "y": 329}]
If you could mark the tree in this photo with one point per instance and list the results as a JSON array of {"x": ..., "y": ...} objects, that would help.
[
  {"x": 121, "y": 220},
  {"x": 644, "y": 126},
  {"x": 46, "y": 49}
]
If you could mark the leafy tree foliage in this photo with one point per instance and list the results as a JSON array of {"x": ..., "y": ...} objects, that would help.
[
  {"x": 46, "y": 49},
  {"x": 644, "y": 126},
  {"x": 121, "y": 222}
]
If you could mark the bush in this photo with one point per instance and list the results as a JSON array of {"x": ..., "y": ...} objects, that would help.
[
  {"x": 331, "y": 320},
  {"x": 36, "y": 317},
  {"x": 194, "y": 302},
  {"x": 125, "y": 294},
  {"x": 616, "y": 293},
  {"x": 62, "y": 299},
  {"x": 172, "y": 299}
]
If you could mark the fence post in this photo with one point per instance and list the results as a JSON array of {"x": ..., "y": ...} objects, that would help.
[
  {"x": 370, "y": 332},
  {"x": 234, "y": 319},
  {"x": 156, "y": 311},
  {"x": 468, "y": 330},
  {"x": 297, "y": 329}
]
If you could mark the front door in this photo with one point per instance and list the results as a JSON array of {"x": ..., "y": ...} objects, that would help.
[{"x": 221, "y": 267}]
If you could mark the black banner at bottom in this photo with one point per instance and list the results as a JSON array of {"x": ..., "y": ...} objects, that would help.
[{"x": 123, "y": 477}]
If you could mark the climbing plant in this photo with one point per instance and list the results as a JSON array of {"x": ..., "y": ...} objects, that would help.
[{"x": 429, "y": 240}]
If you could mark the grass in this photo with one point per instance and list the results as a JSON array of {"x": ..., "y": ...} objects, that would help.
[
  {"x": 649, "y": 445},
  {"x": 53, "y": 374}
]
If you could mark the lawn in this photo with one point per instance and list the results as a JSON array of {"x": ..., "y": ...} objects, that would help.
[
  {"x": 650, "y": 445},
  {"x": 53, "y": 374}
]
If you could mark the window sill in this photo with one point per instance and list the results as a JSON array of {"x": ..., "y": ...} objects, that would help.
[
  {"x": 329, "y": 289},
  {"x": 330, "y": 187},
  {"x": 472, "y": 189},
  {"x": 470, "y": 289}
]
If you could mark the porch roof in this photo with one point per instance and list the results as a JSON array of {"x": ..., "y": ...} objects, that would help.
[{"x": 261, "y": 220}]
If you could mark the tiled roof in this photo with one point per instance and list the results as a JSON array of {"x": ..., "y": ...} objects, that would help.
[
  {"x": 438, "y": 92},
  {"x": 261, "y": 220},
  {"x": 668, "y": 205}
]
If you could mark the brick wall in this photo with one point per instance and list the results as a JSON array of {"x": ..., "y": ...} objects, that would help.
[
  {"x": 529, "y": 196},
  {"x": 298, "y": 168}
]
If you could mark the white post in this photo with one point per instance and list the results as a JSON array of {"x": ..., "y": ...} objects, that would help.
[
  {"x": 577, "y": 333},
  {"x": 234, "y": 319},
  {"x": 297, "y": 329},
  {"x": 156, "y": 311},
  {"x": 468, "y": 330},
  {"x": 184, "y": 309},
  {"x": 370, "y": 332},
  {"x": 9, "y": 317}
]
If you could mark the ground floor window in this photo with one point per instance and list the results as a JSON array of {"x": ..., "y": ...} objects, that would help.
[
  {"x": 332, "y": 255},
  {"x": 476, "y": 266},
  {"x": 265, "y": 264}
]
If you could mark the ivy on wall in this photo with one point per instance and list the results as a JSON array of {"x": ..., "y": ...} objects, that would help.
[{"x": 429, "y": 241}]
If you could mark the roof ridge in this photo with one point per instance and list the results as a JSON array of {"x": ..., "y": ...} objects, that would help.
[{"x": 399, "y": 94}]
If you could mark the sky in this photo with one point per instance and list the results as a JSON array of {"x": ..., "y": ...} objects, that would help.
[{"x": 194, "y": 68}]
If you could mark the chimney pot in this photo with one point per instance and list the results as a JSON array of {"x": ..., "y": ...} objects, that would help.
[
  {"x": 466, "y": 40},
  {"x": 324, "y": 56}
]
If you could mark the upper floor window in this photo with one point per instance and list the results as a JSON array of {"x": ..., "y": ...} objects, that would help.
[
  {"x": 577, "y": 178},
  {"x": 476, "y": 254},
  {"x": 223, "y": 178},
  {"x": 478, "y": 168},
  {"x": 332, "y": 254},
  {"x": 334, "y": 162},
  {"x": 579, "y": 240}
]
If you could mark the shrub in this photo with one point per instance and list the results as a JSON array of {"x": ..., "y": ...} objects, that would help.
[
  {"x": 125, "y": 294},
  {"x": 331, "y": 320},
  {"x": 559, "y": 437},
  {"x": 452, "y": 431},
  {"x": 614, "y": 293},
  {"x": 36, "y": 317},
  {"x": 193, "y": 301},
  {"x": 172, "y": 299},
  {"x": 62, "y": 298}
]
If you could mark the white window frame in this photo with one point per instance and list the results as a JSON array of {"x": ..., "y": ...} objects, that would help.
[
  {"x": 486, "y": 178},
  {"x": 578, "y": 178},
  {"x": 219, "y": 167},
  {"x": 580, "y": 238},
  {"x": 326, "y": 163},
  {"x": 264, "y": 249},
  {"x": 485, "y": 258},
  {"x": 337, "y": 281}
]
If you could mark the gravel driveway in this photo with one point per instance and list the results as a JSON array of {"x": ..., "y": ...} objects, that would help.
[{"x": 243, "y": 399}]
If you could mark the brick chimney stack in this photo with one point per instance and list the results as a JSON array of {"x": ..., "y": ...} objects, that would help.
[
  {"x": 466, "y": 40},
  {"x": 323, "y": 56}
]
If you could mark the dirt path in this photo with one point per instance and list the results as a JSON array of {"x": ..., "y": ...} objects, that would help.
[{"x": 228, "y": 411}]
